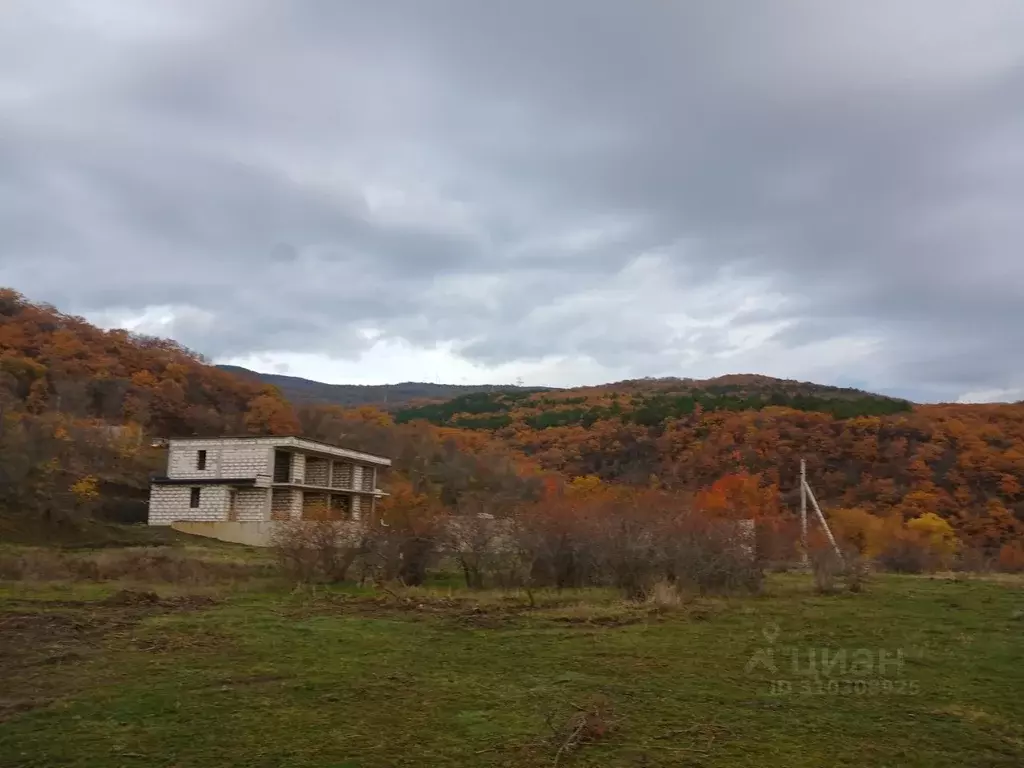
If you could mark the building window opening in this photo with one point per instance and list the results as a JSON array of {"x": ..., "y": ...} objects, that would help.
[
  {"x": 201, "y": 460},
  {"x": 194, "y": 498}
]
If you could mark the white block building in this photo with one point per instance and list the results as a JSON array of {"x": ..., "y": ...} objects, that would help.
[{"x": 261, "y": 479}]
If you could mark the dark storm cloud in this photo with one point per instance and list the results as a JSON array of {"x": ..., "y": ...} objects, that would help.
[{"x": 643, "y": 184}]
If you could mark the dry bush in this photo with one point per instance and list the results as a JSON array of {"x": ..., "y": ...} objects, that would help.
[
  {"x": 974, "y": 560},
  {"x": 35, "y": 565},
  {"x": 856, "y": 569},
  {"x": 777, "y": 543},
  {"x": 592, "y": 720},
  {"x": 317, "y": 550},
  {"x": 484, "y": 547},
  {"x": 907, "y": 554},
  {"x": 557, "y": 553},
  {"x": 404, "y": 540},
  {"x": 398, "y": 555},
  {"x": 709, "y": 556},
  {"x": 625, "y": 551},
  {"x": 666, "y": 594},
  {"x": 634, "y": 546},
  {"x": 826, "y": 566}
]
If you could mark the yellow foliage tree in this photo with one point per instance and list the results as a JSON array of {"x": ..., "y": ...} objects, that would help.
[
  {"x": 584, "y": 485},
  {"x": 936, "y": 534},
  {"x": 86, "y": 489}
]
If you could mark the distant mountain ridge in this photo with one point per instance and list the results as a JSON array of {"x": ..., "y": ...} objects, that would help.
[
  {"x": 408, "y": 395},
  {"x": 389, "y": 396}
]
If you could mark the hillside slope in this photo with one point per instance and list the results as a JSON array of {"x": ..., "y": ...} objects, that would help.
[
  {"x": 74, "y": 401},
  {"x": 53, "y": 362},
  {"x": 387, "y": 396},
  {"x": 78, "y": 406},
  {"x": 964, "y": 462}
]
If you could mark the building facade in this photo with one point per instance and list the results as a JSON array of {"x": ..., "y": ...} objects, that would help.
[{"x": 262, "y": 479}]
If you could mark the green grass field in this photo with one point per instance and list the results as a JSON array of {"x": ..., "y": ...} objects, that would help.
[{"x": 437, "y": 677}]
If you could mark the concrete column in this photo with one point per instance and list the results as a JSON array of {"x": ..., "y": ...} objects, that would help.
[{"x": 298, "y": 468}]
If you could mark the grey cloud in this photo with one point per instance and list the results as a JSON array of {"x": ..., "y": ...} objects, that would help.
[{"x": 490, "y": 174}]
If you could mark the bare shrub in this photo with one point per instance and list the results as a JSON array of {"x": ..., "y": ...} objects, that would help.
[
  {"x": 34, "y": 565},
  {"x": 404, "y": 538},
  {"x": 592, "y": 720},
  {"x": 777, "y": 544},
  {"x": 625, "y": 551},
  {"x": 398, "y": 555},
  {"x": 709, "y": 555},
  {"x": 634, "y": 544},
  {"x": 666, "y": 594},
  {"x": 856, "y": 570},
  {"x": 826, "y": 566},
  {"x": 317, "y": 550},
  {"x": 973, "y": 560},
  {"x": 905, "y": 555},
  {"x": 484, "y": 548},
  {"x": 562, "y": 558}
]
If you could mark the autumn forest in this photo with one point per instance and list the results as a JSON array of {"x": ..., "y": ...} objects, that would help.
[{"x": 81, "y": 406}]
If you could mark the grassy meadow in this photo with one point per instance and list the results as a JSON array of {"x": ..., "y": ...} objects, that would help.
[{"x": 191, "y": 669}]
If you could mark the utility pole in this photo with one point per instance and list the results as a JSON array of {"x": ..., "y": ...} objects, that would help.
[
  {"x": 805, "y": 493},
  {"x": 803, "y": 510}
]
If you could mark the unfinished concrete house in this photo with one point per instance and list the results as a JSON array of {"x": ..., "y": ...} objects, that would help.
[{"x": 235, "y": 488}]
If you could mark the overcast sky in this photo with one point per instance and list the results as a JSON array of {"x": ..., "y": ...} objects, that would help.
[{"x": 562, "y": 191}]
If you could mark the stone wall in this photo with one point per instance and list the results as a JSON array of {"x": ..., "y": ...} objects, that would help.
[
  {"x": 246, "y": 461},
  {"x": 254, "y": 534},
  {"x": 168, "y": 503},
  {"x": 251, "y": 504},
  {"x": 230, "y": 458}
]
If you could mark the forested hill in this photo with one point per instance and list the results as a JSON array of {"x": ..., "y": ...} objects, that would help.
[
  {"x": 70, "y": 391},
  {"x": 54, "y": 363},
  {"x": 79, "y": 406},
  {"x": 648, "y": 402},
  {"x": 386, "y": 396},
  {"x": 963, "y": 462}
]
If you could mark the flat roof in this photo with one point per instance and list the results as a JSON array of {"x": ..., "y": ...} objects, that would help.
[{"x": 284, "y": 439}]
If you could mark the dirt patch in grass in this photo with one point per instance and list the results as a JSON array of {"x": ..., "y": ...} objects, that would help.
[
  {"x": 146, "y": 599},
  {"x": 33, "y": 639},
  {"x": 489, "y": 611},
  {"x": 251, "y": 680},
  {"x": 39, "y": 637},
  {"x": 601, "y": 621},
  {"x": 465, "y": 611}
]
